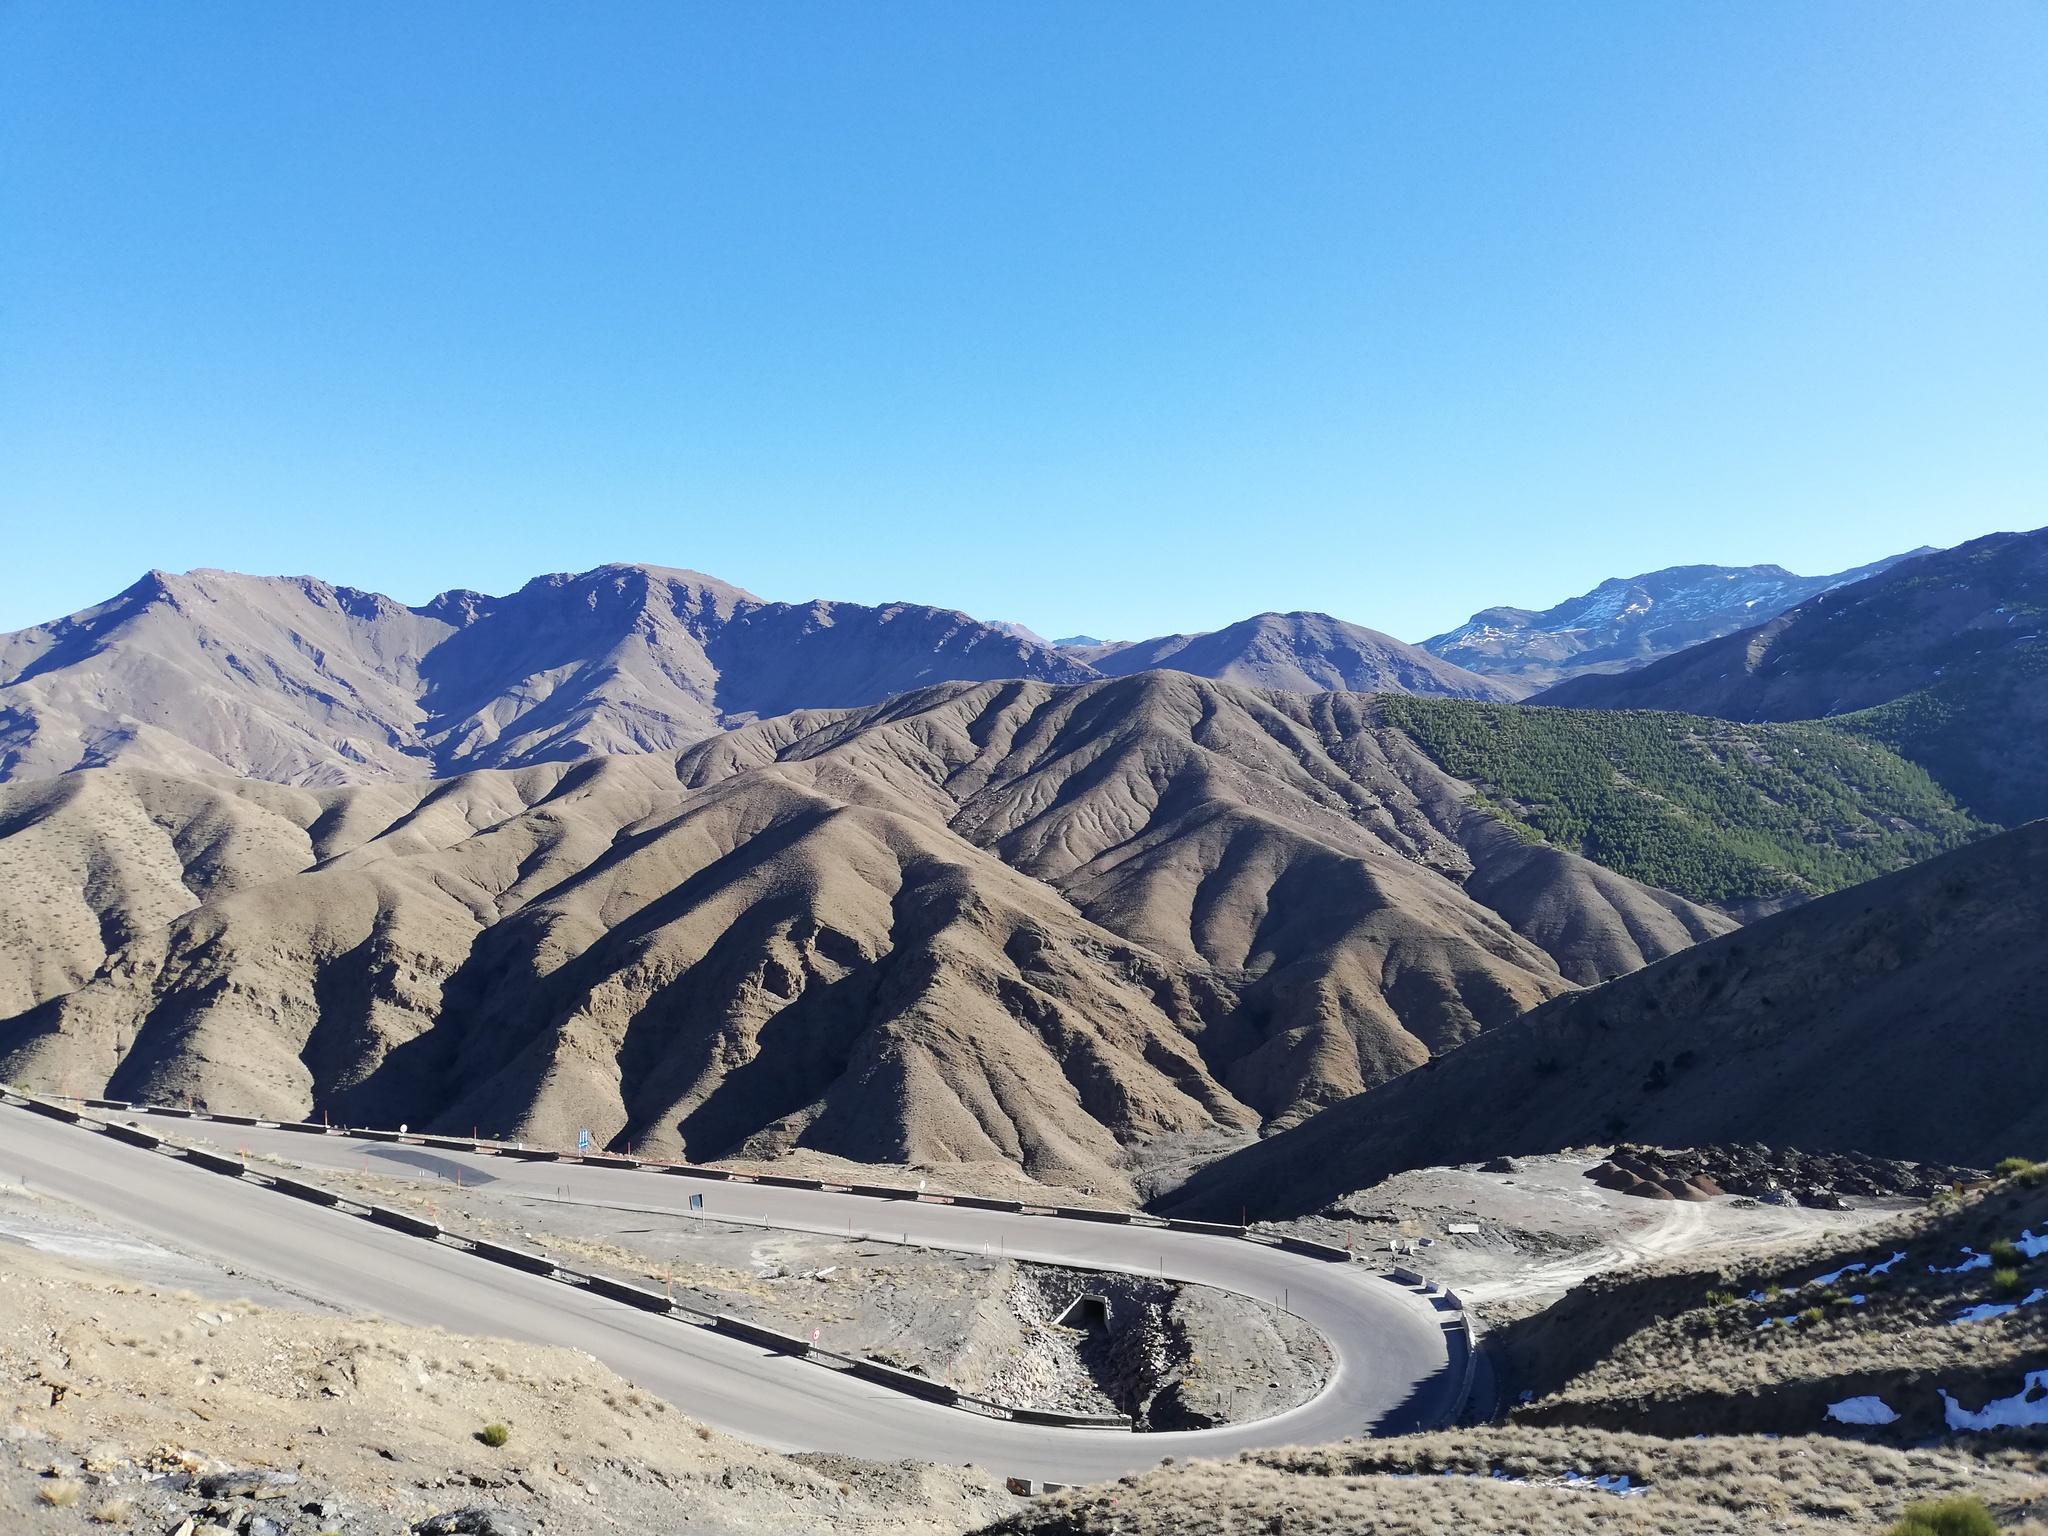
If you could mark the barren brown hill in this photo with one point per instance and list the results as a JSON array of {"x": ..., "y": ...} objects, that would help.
[
  {"x": 1302, "y": 653},
  {"x": 1009, "y": 920},
  {"x": 1901, "y": 1017}
]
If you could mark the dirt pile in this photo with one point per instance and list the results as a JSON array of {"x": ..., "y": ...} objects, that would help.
[
  {"x": 131, "y": 1408},
  {"x": 1893, "y": 1019},
  {"x": 1761, "y": 1172},
  {"x": 1531, "y": 1481},
  {"x": 1057, "y": 927}
]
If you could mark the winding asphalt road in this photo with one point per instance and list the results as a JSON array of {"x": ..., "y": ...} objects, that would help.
[{"x": 1394, "y": 1371}]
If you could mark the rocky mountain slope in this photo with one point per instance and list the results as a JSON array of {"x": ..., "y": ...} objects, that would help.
[
  {"x": 1049, "y": 925},
  {"x": 1897, "y": 1018},
  {"x": 1630, "y": 620},
  {"x": 300, "y": 682},
  {"x": 1300, "y": 652},
  {"x": 1940, "y": 658}
]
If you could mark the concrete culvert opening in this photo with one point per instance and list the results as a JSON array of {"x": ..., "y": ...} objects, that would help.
[
  {"x": 1171, "y": 1356},
  {"x": 1089, "y": 1314}
]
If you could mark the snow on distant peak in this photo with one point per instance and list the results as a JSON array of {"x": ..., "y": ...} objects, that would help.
[{"x": 1628, "y": 621}]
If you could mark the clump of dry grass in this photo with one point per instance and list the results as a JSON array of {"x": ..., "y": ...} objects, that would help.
[
  {"x": 60, "y": 1492},
  {"x": 115, "y": 1512},
  {"x": 1964, "y": 1516}
]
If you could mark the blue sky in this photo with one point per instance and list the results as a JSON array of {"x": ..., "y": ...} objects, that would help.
[{"x": 1119, "y": 318}]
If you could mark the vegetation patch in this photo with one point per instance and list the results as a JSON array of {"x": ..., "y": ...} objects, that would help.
[
  {"x": 1962, "y": 1516},
  {"x": 1973, "y": 730},
  {"x": 1713, "y": 809}
]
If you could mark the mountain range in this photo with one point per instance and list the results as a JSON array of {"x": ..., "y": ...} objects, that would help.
[
  {"x": 636, "y": 851},
  {"x": 1627, "y": 622},
  {"x": 1300, "y": 652},
  {"x": 297, "y": 681}
]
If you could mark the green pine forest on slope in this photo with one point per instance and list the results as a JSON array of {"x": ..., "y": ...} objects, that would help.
[{"x": 1715, "y": 810}]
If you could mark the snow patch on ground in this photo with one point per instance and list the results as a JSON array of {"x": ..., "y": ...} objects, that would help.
[
  {"x": 1861, "y": 1410},
  {"x": 1975, "y": 1261},
  {"x": 1985, "y": 1311},
  {"x": 1616, "y": 1483},
  {"x": 2028, "y": 1406}
]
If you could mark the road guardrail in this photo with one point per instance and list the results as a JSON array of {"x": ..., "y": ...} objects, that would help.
[
  {"x": 404, "y": 1221},
  {"x": 517, "y": 1258},
  {"x": 906, "y": 1382}
]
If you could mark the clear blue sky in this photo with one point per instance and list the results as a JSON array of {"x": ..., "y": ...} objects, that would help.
[{"x": 1120, "y": 318}]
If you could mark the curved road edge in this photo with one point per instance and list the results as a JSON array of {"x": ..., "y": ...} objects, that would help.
[{"x": 1423, "y": 1407}]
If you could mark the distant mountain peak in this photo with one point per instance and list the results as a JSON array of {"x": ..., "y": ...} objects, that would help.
[
  {"x": 1629, "y": 621},
  {"x": 1301, "y": 653}
]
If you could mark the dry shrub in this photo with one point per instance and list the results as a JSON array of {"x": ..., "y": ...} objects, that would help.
[
  {"x": 1964, "y": 1516},
  {"x": 60, "y": 1493}
]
